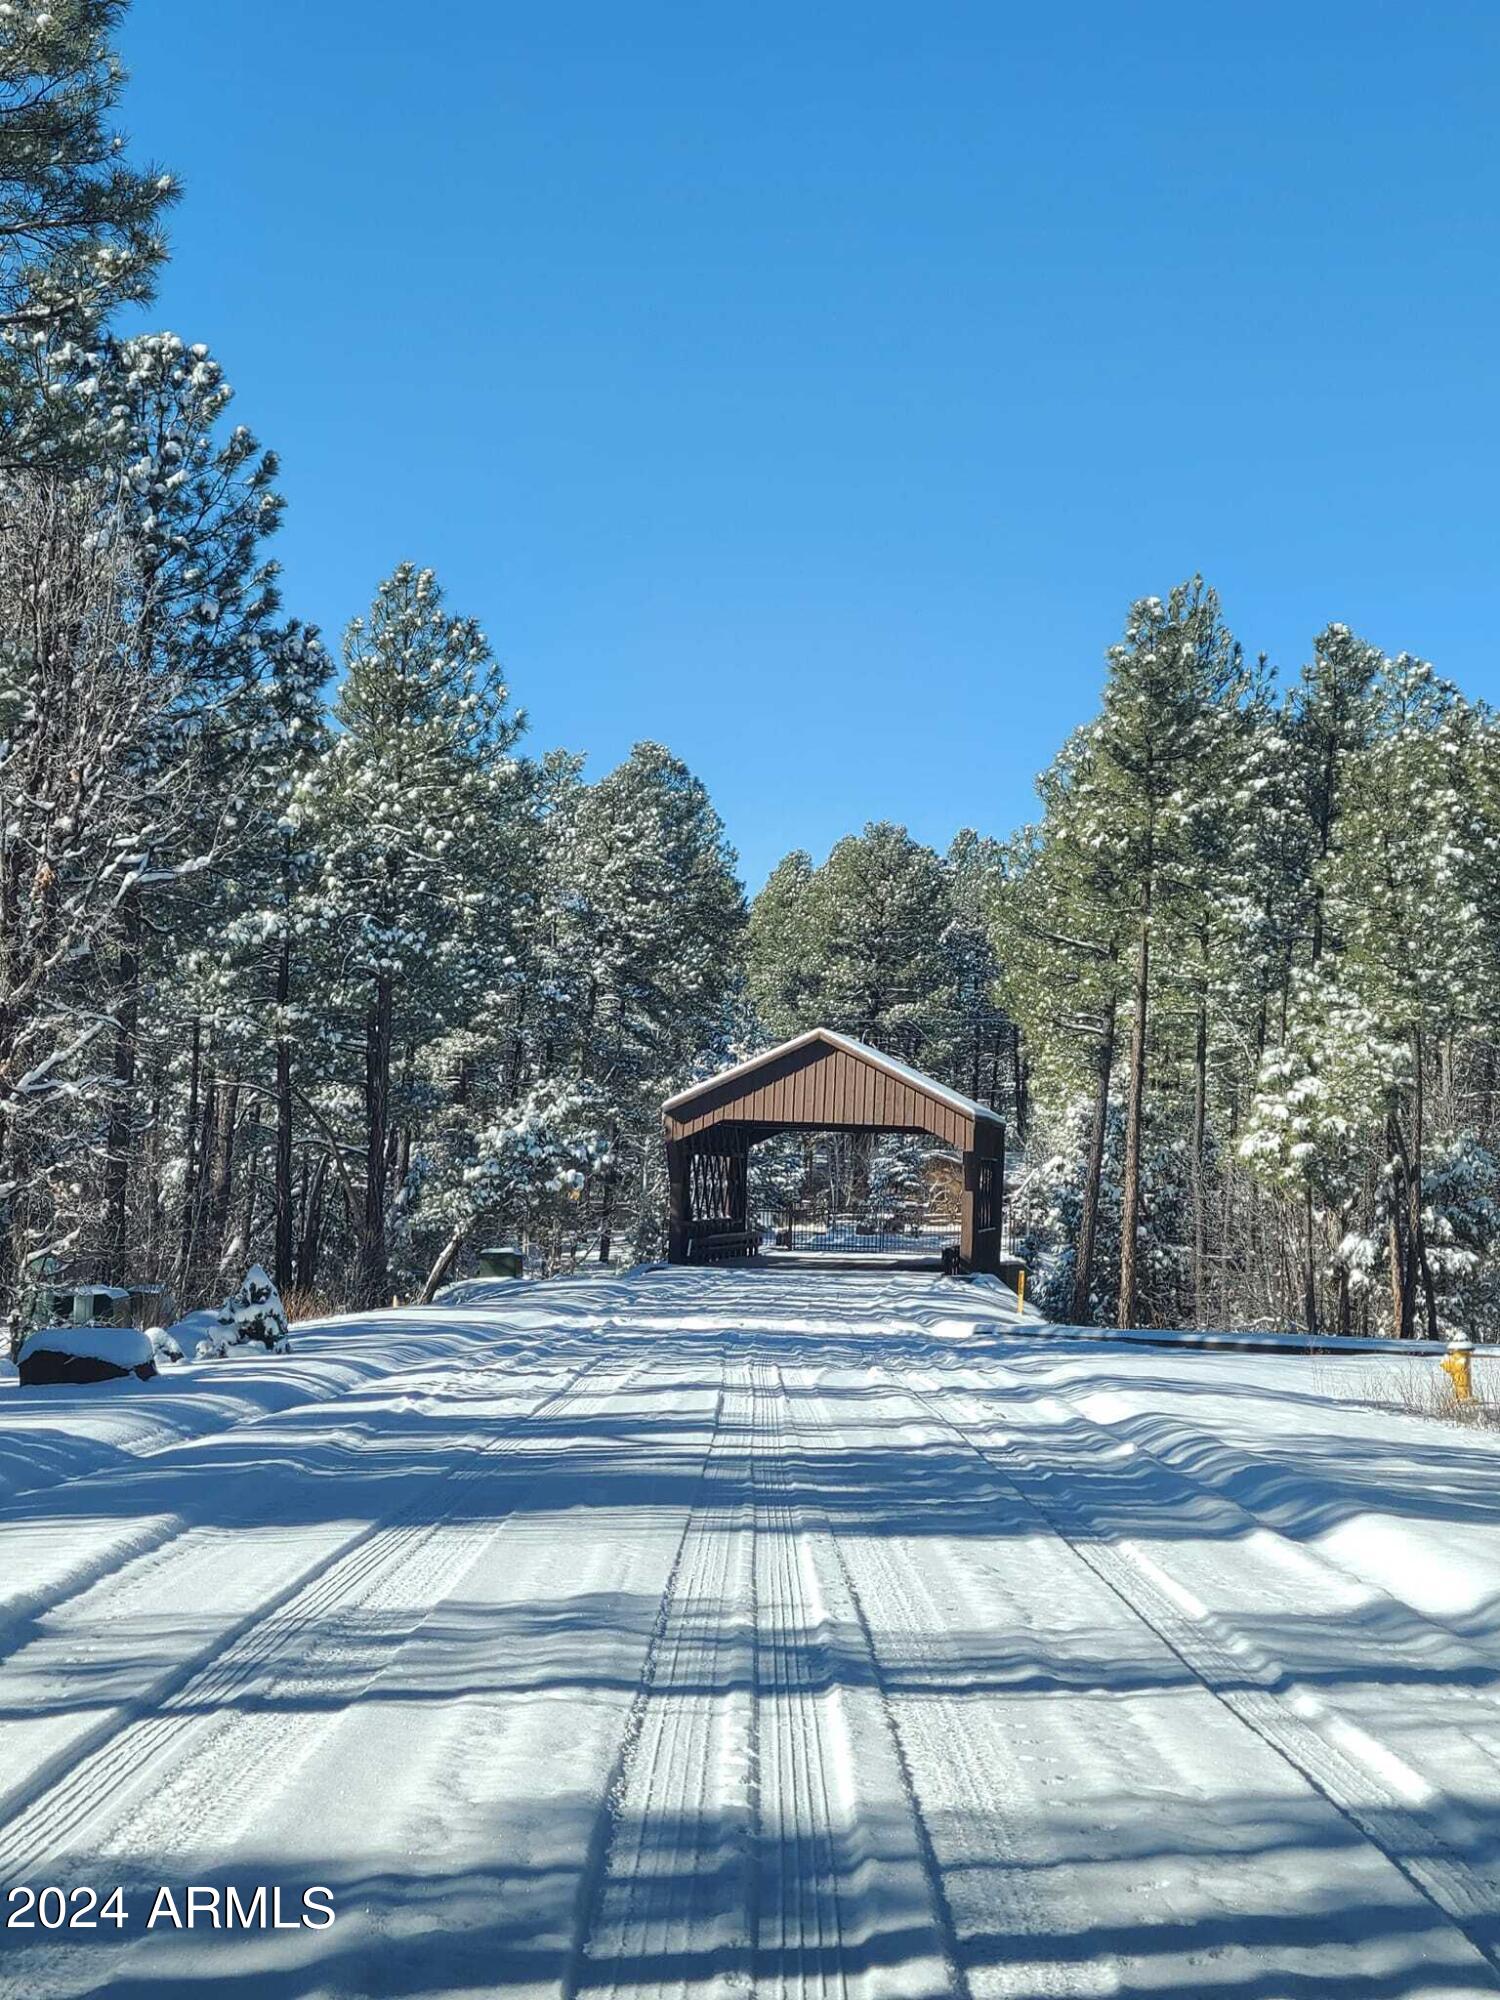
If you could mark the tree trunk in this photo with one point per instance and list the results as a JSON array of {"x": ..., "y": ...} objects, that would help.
[
  {"x": 517, "y": 1051},
  {"x": 282, "y": 1179},
  {"x": 1200, "y": 1126},
  {"x": 372, "y": 1250},
  {"x": 1343, "y": 1292},
  {"x": 1018, "y": 1073},
  {"x": 1400, "y": 1253},
  {"x": 120, "y": 1133},
  {"x": 190, "y": 1151},
  {"x": 151, "y": 1238},
  {"x": 312, "y": 1227},
  {"x": 1135, "y": 1106},
  {"x": 221, "y": 1185},
  {"x": 1416, "y": 1227},
  {"x": 1088, "y": 1223},
  {"x": 607, "y": 1199},
  {"x": 252, "y": 1189},
  {"x": 443, "y": 1265},
  {"x": 1310, "y": 1266}
]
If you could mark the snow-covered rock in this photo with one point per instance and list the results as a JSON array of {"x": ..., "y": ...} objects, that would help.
[
  {"x": 192, "y": 1327},
  {"x": 85, "y": 1354},
  {"x": 164, "y": 1343}
]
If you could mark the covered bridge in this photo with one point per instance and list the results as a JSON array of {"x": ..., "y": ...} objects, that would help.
[{"x": 820, "y": 1082}]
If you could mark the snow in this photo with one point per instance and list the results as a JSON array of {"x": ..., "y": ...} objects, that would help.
[
  {"x": 700, "y": 1633},
  {"x": 1246, "y": 1340},
  {"x": 193, "y": 1327},
  {"x": 63, "y": 1432},
  {"x": 125, "y": 1345}
]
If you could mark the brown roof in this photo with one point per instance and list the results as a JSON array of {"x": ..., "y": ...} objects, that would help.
[{"x": 821, "y": 1080}]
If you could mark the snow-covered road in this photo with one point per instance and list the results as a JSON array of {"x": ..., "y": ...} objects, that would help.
[{"x": 770, "y": 1634}]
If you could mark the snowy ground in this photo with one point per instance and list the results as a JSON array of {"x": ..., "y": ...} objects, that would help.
[
  {"x": 59, "y": 1433},
  {"x": 767, "y": 1633}
]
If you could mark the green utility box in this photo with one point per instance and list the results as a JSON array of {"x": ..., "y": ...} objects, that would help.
[{"x": 501, "y": 1262}]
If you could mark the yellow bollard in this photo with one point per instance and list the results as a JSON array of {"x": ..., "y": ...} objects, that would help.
[
  {"x": 1021, "y": 1293},
  {"x": 1457, "y": 1366}
]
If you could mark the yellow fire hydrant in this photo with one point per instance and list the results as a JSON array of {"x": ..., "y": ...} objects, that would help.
[{"x": 1457, "y": 1366}]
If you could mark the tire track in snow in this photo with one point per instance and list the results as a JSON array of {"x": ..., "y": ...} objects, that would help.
[
  {"x": 942, "y": 1914},
  {"x": 760, "y": 1833},
  {"x": 444, "y": 1789},
  {"x": 664, "y": 1908},
  {"x": 799, "y": 1942},
  {"x": 849, "y": 1906},
  {"x": 48, "y": 1807},
  {"x": 960, "y": 1756},
  {"x": 1469, "y": 1674},
  {"x": 1373, "y": 1789},
  {"x": 1469, "y": 1656},
  {"x": 122, "y": 1547}
]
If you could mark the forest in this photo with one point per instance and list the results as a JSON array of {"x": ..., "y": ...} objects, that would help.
[{"x": 308, "y": 955}]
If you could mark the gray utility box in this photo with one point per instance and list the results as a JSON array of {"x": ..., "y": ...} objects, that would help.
[{"x": 500, "y": 1261}]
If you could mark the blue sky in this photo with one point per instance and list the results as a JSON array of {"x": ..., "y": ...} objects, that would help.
[{"x": 812, "y": 389}]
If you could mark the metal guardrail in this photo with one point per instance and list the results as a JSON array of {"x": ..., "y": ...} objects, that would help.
[{"x": 819, "y": 1229}]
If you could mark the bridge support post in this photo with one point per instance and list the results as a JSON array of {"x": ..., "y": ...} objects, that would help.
[
  {"x": 679, "y": 1202},
  {"x": 983, "y": 1197}
]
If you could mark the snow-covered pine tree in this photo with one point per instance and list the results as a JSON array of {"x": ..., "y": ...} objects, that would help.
[
  {"x": 649, "y": 916},
  {"x": 863, "y": 944},
  {"x": 985, "y": 1057},
  {"x": 882, "y": 910},
  {"x": 120, "y": 684},
  {"x": 85, "y": 790},
  {"x": 493, "y": 1076},
  {"x": 1293, "y": 1011},
  {"x": 249, "y": 978},
  {"x": 1403, "y": 894},
  {"x": 1324, "y": 1090},
  {"x": 784, "y": 951},
  {"x": 80, "y": 228},
  {"x": 1164, "y": 733},
  {"x": 1059, "y": 920},
  {"x": 404, "y": 809},
  {"x": 197, "y": 501}
]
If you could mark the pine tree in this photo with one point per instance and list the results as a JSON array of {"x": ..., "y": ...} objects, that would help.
[
  {"x": 81, "y": 229},
  {"x": 1323, "y": 1092},
  {"x": 1174, "y": 683},
  {"x": 85, "y": 791},
  {"x": 252, "y": 971},
  {"x": 1403, "y": 892},
  {"x": 783, "y": 951},
  {"x": 1060, "y": 924},
  {"x": 862, "y": 944},
  {"x": 403, "y": 809},
  {"x": 197, "y": 502},
  {"x": 651, "y": 917},
  {"x": 985, "y": 1057},
  {"x": 884, "y": 912}
]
